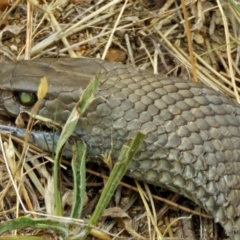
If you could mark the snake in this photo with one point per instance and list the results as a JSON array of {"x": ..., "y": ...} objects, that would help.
[{"x": 192, "y": 143}]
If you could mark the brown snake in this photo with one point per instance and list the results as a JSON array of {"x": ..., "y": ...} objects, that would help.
[{"x": 192, "y": 145}]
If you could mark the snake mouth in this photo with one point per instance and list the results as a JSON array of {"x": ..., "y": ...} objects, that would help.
[{"x": 44, "y": 135}]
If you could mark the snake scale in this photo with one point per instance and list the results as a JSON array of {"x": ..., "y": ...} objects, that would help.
[{"x": 192, "y": 145}]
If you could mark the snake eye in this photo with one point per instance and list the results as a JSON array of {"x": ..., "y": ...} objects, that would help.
[{"x": 26, "y": 98}]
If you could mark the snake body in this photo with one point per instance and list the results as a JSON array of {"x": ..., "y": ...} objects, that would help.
[{"x": 192, "y": 145}]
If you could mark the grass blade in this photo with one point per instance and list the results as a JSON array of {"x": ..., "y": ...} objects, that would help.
[
  {"x": 127, "y": 153},
  {"x": 85, "y": 100},
  {"x": 79, "y": 175},
  {"x": 44, "y": 224}
]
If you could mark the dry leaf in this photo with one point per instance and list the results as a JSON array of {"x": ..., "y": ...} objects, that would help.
[
  {"x": 4, "y": 4},
  {"x": 107, "y": 159},
  {"x": 19, "y": 122},
  {"x": 116, "y": 55},
  {"x": 116, "y": 212},
  {"x": 14, "y": 29},
  {"x": 198, "y": 38},
  {"x": 10, "y": 154}
]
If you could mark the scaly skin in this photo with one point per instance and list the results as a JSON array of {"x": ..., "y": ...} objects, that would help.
[{"x": 193, "y": 136}]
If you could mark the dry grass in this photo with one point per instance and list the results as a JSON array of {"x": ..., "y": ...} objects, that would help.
[{"x": 154, "y": 37}]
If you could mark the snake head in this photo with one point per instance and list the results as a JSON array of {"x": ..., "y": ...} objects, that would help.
[{"x": 67, "y": 79}]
